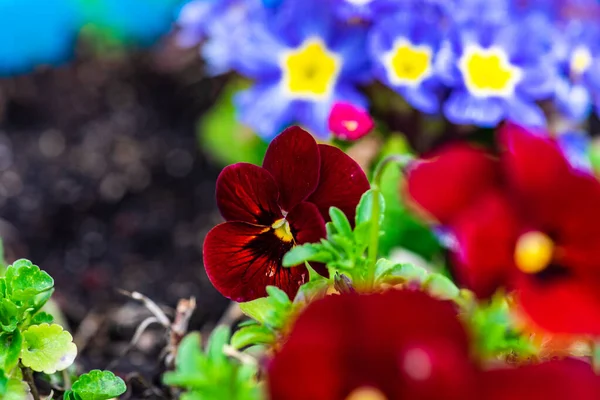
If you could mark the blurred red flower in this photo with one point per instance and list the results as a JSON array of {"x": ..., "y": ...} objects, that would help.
[
  {"x": 349, "y": 122},
  {"x": 526, "y": 219},
  {"x": 270, "y": 209},
  {"x": 404, "y": 345}
]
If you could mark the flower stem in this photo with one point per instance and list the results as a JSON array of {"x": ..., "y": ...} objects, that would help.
[
  {"x": 28, "y": 377},
  {"x": 402, "y": 161}
]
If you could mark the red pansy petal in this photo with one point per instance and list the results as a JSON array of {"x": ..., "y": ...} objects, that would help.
[
  {"x": 486, "y": 234},
  {"x": 241, "y": 260},
  {"x": 539, "y": 173},
  {"x": 341, "y": 184},
  {"x": 554, "y": 380},
  {"x": 293, "y": 159},
  {"x": 353, "y": 337},
  {"x": 349, "y": 122},
  {"x": 448, "y": 181},
  {"x": 247, "y": 193},
  {"x": 308, "y": 226},
  {"x": 563, "y": 304}
]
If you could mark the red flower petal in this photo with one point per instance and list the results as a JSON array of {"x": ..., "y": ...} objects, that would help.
[
  {"x": 293, "y": 159},
  {"x": 553, "y": 380},
  {"x": 566, "y": 303},
  {"x": 241, "y": 260},
  {"x": 537, "y": 171},
  {"x": 486, "y": 234},
  {"x": 341, "y": 184},
  {"x": 308, "y": 226},
  {"x": 448, "y": 181},
  {"x": 247, "y": 193},
  {"x": 341, "y": 343},
  {"x": 349, "y": 122}
]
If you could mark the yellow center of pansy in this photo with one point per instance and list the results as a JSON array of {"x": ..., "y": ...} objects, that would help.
[
  {"x": 488, "y": 72},
  {"x": 282, "y": 230},
  {"x": 581, "y": 60},
  {"x": 408, "y": 64},
  {"x": 366, "y": 393},
  {"x": 310, "y": 71},
  {"x": 534, "y": 252}
]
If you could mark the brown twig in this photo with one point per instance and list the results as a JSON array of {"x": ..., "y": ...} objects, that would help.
[{"x": 28, "y": 377}]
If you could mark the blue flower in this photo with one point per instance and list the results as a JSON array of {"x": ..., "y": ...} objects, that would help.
[
  {"x": 302, "y": 61},
  {"x": 577, "y": 51},
  {"x": 576, "y": 148},
  {"x": 403, "y": 47},
  {"x": 36, "y": 32},
  {"x": 497, "y": 70},
  {"x": 219, "y": 25},
  {"x": 366, "y": 10}
]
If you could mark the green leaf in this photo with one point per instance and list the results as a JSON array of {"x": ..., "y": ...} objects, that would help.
[
  {"x": 47, "y": 348},
  {"x": 312, "y": 290},
  {"x": 251, "y": 335},
  {"x": 340, "y": 221},
  {"x": 42, "y": 318},
  {"x": 441, "y": 287},
  {"x": 258, "y": 309},
  {"x": 3, "y": 382},
  {"x": 25, "y": 281},
  {"x": 279, "y": 296},
  {"x": 9, "y": 315},
  {"x": 216, "y": 342},
  {"x": 188, "y": 364},
  {"x": 365, "y": 207},
  {"x": 99, "y": 385},
  {"x": 10, "y": 350},
  {"x": 15, "y": 390},
  {"x": 307, "y": 252},
  {"x": 69, "y": 395}
]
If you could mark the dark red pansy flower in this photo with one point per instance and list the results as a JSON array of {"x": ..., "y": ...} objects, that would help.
[
  {"x": 403, "y": 345},
  {"x": 525, "y": 219},
  {"x": 270, "y": 209}
]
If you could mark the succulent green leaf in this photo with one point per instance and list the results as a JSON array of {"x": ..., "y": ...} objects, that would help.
[
  {"x": 70, "y": 395},
  {"x": 25, "y": 281},
  {"x": 47, "y": 348},
  {"x": 365, "y": 207},
  {"x": 42, "y": 318},
  {"x": 99, "y": 385},
  {"x": 340, "y": 221},
  {"x": 250, "y": 335},
  {"x": 10, "y": 350}
]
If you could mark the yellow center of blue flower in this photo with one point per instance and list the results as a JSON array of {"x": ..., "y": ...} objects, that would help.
[
  {"x": 488, "y": 72},
  {"x": 408, "y": 64},
  {"x": 534, "y": 252},
  {"x": 310, "y": 71},
  {"x": 282, "y": 230},
  {"x": 581, "y": 60},
  {"x": 366, "y": 393}
]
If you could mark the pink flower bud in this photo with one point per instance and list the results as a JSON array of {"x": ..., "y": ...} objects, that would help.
[{"x": 349, "y": 122}]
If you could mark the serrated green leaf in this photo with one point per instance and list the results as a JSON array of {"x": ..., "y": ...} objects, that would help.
[
  {"x": 308, "y": 252},
  {"x": 277, "y": 295},
  {"x": 9, "y": 315},
  {"x": 10, "y": 350},
  {"x": 250, "y": 335},
  {"x": 47, "y": 348},
  {"x": 99, "y": 385},
  {"x": 340, "y": 221},
  {"x": 258, "y": 309},
  {"x": 189, "y": 371},
  {"x": 25, "y": 281},
  {"x": 365, "y": 207},
  {"x": 42, "y": 318}
]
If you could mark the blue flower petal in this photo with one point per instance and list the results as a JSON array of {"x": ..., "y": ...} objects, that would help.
[
  {"x": 422, "y": 99},
  {"x": 264, "y": 109},
  {"x": 524, "y": 112},
  {"x": 573, "y": 101},
  {"x": 462, "y": 108}
]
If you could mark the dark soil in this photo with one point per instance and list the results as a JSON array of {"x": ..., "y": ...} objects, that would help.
[{"x": 103, "y": 185}]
